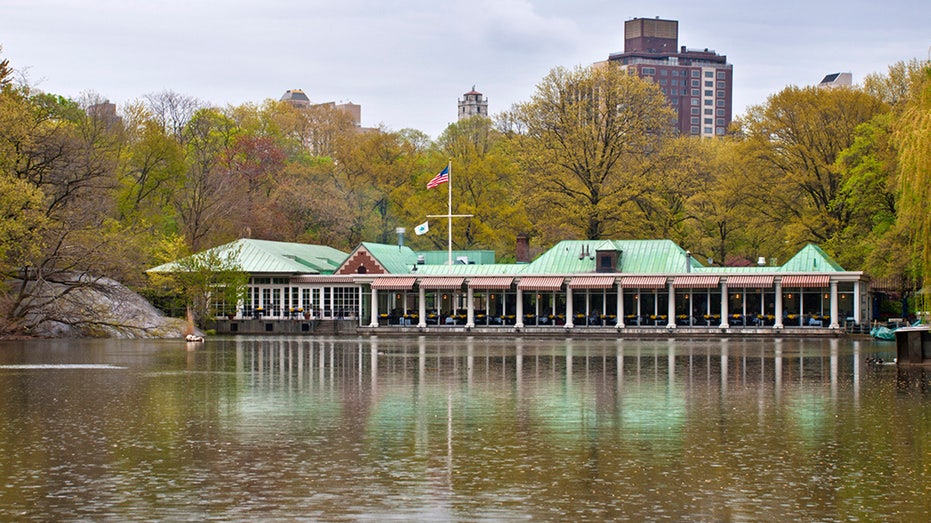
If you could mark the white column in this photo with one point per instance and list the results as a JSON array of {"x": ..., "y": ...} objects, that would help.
[
  {"x": 856, "y": 302},
  {"x": 374, "y": 322},
  {"x": 834, "y": 323},
  {"x": 620, "y": 307},
  {"x": 519, "y": 311},
  {"x": 422, "y": 308},
  {"x": 470, "y": 309},
  {"x": 724, "y": 311},
  {"x": 778, "y": 323},
  {"x": 671, "y": 309},
  {"x": 569, "y": 313}
]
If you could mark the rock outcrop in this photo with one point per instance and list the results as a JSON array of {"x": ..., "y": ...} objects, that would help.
[{"x": 98, "y": 308}]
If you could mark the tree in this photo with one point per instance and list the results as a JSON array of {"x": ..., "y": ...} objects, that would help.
[
  {"x": 913, "y": 137},
  {"x": 794, "y": 142},
  {"x": 210, "y": 282},
  {"x": 588, "y": 143},
  {"x": 6, "y": 72},
  {"x": 712, "y": 183},
  {"x": 61, "y": 163},
  {"x": 150, "y": 172},
  {"x": 869, "y": 168},
  {"x": 173, "y": 112},
  {"x": 900, "y": 85},
  {"x": 483, "y": 185},
  {"x": 206, "y": 200}
]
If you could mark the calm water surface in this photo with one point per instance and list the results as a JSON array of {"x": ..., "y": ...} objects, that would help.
[{"x": 462, "y": 430}]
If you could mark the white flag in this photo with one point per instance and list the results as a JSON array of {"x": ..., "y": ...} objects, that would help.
[{"x": 422, "y": 228}]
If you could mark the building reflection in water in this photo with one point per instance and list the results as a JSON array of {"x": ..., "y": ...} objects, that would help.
[{"x": 548, "y": 375}]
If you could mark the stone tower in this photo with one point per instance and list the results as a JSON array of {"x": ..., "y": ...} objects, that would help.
[{"x": 472, "y": 104}]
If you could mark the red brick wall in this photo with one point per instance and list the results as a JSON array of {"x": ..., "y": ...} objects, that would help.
[{"x": 361, "y": 259}]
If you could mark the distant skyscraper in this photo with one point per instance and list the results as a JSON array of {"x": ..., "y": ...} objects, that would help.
[
  {"x": 105, "y": 112},
  {"x": 836, "y": 80},
  {"x": 472, "y": 104},
  {"x": 296, "y": 97},
  {"x": 299, "y": 99},
  {"x": 697, "y": 83}
]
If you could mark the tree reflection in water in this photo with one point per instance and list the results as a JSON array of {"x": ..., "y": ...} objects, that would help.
[{"x": 465, "y": 429}]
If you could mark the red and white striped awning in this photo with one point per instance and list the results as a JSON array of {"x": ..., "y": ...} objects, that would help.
[
  {"x": 806, "y": 280},
  {"x": 591, "y": 282},
  {"x": 644, "y": 282},
  {"x": 750, "y": 282},
  {"x": 442, "y": 282},
  {"x": 541, "y": 283},
  {"x": 696, "y": 282},
  {"x": 491, "y": 282},
  {"x": 404, "y": 283}
]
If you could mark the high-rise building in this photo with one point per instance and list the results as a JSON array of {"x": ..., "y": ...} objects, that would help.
[
  {"x": 473, "y": 104},
  {"x": 697, "y": 83},
  {"x": 299, "y": 99},
  {"x": 296, "y": 97},
  {"x": 836, "y": 80}
]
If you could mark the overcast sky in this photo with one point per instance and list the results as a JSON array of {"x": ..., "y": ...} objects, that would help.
[{"x": 407, "y": 62}]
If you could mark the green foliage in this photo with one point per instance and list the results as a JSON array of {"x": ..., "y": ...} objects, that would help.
[
  {"x": 913, "y": 137},
  {"x": 590, "y": 155},
  {"x": 211, "y": 282},
  {"x": 589, "y": 146},
  {"x": 795, "y": 141},
  {"x": 6, "y": 72}
]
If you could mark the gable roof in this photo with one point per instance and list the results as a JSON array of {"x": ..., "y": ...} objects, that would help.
[
  {"x": 270, "y": 257},
  {"x": 811, "y": 259},
  {"x": 395, "y": 259}
]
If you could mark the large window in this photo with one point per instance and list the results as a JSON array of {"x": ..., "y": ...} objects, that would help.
[{"x": 345, "y": 302}]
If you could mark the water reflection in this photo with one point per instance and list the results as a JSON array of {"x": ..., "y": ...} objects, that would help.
[{"x": 462, "y": 429}]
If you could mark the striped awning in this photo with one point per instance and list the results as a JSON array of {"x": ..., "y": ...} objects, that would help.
[
  {"x": 750, "y": 282},
  {"x": 442, "y": 282},
  {"x": 806, "y": 280},
  {"x": 591, "y": 282},
  {"x": 644, "y": 282},
  {"x": 491, "y": 282},
  {"x": 541, "y": 283},
  {"x": 696, "y": 282},
  {"x": 405, "y": 283}
]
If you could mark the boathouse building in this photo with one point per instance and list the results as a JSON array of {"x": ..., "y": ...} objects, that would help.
[{"x": 636, "y": 286}]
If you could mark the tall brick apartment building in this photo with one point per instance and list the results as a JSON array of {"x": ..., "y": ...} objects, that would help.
[{"x": 697, "y": 83}]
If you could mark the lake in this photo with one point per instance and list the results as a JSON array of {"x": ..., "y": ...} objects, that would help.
[{"x": 462, "y": 429}]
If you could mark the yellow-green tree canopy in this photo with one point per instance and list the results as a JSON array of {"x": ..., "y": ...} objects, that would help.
[
  {"x": 588, "y": 143},
  {"x": 913, "y": 135}
]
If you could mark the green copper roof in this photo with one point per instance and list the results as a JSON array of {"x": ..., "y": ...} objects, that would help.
[
  {"x": 636, "y": 257},
  {"x": 269, "y": 257},
  {"x": 395, "y": 259},
  {"x": 399, "y": 260},
  {"x": 811, "y": 259}
]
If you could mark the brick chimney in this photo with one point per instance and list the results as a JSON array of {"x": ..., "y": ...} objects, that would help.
[{"x": 523, "y": 248}]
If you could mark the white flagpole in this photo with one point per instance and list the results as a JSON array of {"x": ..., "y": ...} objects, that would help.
[{"x": 449, "y": 214}]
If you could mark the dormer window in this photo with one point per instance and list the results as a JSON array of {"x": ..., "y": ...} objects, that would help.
[{"x": 606, "y": 261}]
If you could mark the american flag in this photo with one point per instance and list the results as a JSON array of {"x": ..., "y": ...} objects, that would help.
[{"x": 439, "y": 179}]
